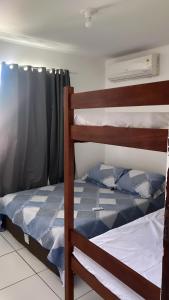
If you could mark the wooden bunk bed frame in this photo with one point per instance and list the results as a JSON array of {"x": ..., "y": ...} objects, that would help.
[{"x": 143, "y": 138}]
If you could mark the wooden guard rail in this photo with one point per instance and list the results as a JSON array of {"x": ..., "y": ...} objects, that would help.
[{"x": 141, "y": 138}]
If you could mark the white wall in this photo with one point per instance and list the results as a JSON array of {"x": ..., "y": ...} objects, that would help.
[
  {"x": 146, "y": 160},
  {"x": 86, "y": 74}
]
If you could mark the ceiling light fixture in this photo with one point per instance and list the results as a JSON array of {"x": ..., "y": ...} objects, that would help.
[{"x": 88, "y": 14}]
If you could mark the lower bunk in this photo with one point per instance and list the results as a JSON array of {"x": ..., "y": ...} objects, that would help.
[{"x": 139, "y": 245}]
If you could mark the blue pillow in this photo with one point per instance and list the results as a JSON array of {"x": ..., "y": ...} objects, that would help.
[
  {"x": 142, "y": 183},
  {"x": 104, "y": 175}
]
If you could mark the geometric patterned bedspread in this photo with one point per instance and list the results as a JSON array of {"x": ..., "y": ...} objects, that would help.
[{"x": 40, "y": 213}]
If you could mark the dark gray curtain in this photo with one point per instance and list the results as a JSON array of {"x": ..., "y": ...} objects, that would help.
[
  {"x": 56, "y": 164},
  {"x": 31, "y": 127}
]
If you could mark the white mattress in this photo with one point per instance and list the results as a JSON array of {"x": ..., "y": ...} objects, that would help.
[
  {"x": 138, "y": 244},
  {"x": 123, "y": 119}
]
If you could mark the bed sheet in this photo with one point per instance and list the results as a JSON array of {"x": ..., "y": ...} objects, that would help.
[
  {"x": 123, "y": 119},
  {"x": 138, "y": 244}
]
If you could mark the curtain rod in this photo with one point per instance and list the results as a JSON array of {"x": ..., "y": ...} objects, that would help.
[{"x": 33, "y": 67}]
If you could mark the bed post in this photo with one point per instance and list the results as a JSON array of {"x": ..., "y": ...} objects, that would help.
[
  {"x": 68, "y": 191},
  {"x": 165, "y": 268}
]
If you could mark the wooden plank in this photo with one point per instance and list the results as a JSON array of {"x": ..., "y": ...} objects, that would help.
[
  {"x": 148, "y": 139},
  {"x": 68, "y": 193},
  {"x": 165, "y": 269},
  {"x": 92, "y": 281},
  {"x": 156, "y": 93},
  {"x": 135, "y": 281}
]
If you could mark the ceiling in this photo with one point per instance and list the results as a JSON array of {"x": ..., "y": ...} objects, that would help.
[{"x": 126, "y": 26}]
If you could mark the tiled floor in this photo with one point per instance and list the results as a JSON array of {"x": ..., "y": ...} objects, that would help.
[{"x": 23, "y": 276}]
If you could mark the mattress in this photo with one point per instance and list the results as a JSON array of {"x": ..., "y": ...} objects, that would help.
[
  {"x": 40, "y": 213},
  {"x": 138, "y": 244},
  {"x": 123, "y": 119}
]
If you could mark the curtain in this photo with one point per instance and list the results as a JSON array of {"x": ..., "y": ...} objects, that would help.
[
  {"x": 31, "y": 127},
  {"x": 56, "y": 165}
]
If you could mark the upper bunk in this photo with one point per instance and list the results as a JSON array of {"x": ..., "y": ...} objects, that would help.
[{"x": 149, "y": 137}]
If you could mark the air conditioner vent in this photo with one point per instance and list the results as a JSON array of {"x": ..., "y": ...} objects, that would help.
[{"x": 146, "y": 66}]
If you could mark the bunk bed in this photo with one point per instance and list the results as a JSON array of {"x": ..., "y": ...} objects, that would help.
[{"x": 140, "y": 138}]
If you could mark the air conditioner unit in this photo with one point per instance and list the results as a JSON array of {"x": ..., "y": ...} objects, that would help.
[{"x": 145, "y": 66}]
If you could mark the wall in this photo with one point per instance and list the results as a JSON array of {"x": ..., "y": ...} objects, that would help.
[
  {"x": 86, "y": 74},
  {"x": 141, "y": 159}
]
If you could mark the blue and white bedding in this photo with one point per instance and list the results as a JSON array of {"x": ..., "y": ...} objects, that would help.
[{"x": 40, "y": 213}]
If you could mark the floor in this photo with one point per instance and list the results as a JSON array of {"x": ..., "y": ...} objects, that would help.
[{"x": 23, "y": 276}]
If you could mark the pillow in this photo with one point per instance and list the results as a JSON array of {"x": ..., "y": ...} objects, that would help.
[
  {"x": 104, "y": 175},
  {"x": 160, "y": 191},
  {"x": 142, "y": 183}
]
